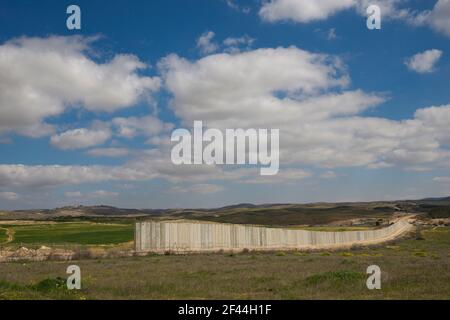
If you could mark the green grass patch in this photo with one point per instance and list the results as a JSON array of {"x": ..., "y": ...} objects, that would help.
[
  {"x": 335, "y": 277},
  {"x": 347, "y": 254},
  {"x": 3, "y": 235},
  {"x": 73, "y": 233},
  {"x": 54, "y": 288},
  {"x": 334, "y": 229},
  {"x": 242, "y": 276},
  {"x": 50, "y": 285},
  {"x": 420, "y": 254}
]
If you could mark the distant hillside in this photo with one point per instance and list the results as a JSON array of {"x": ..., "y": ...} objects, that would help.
[
  {"x": 436, "y": 201},
  {"x": 239, "y": 206},
  {"x": 348, "y": 213}
]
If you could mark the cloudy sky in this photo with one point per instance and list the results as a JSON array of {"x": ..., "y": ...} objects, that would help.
[{"x": 86, "y": 115}]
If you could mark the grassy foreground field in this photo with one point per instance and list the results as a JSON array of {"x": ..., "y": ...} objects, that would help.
[
  {"x": 3, "y": 235},
  {"x": 66, "y": 233},
  {"x": 411, "y": 269}
]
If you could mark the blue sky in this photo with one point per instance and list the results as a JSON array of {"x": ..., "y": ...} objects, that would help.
[{"x": 101, "y": 131}]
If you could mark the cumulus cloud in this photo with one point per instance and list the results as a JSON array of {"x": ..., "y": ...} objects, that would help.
[
  {"x": 288, "y": 175},
  {"x": 109, "y": 152},
  {"x": 206, "y": 44},
  {"x": 233, "y": 5},
  {"x": 100, "y": 132},
  {"x": 306, "y": 11},
  {"x": 438, "y": 17},
  {"x": 203, "y": 188},
  {"x": 103, "y": 194},
  {"x": 239, "y": 88},
  {"x": 153, "y": 164},
  {"x": 73, "y": 194},
  {"x": 236, "y": 44},
  {"x": 80, "y": 138},
  {"x": 442, "y": 179},
  {"x": 304, "y": 95},
  {"x": 41, "y": 77},
  {"x": 302, "y": 10},
  {"x": 11, "y": 196},
  {"x": 424, "y": 62},
  {"x": 49, "y": 175},
  {"x": 92, "y": 195},
  {"x": 133, "y": 126},
  {"x": 390, "y": 9},
  {"x": 331, "y": 34},
  {"x": 329, "y": 175}
]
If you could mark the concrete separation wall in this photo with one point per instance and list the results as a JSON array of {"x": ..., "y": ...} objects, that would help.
[{"x": 192, "y": 236}]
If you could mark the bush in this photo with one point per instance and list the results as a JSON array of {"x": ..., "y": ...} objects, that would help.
[
  {"x": 335, "y": 277},
  {"x": 51, "y": 284}
]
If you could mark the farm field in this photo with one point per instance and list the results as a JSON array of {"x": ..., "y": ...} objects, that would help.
[
  {"x": 3, "y": 235},
  {"x": 67, "y": 233},
  {"x": 417, "y": 267}
]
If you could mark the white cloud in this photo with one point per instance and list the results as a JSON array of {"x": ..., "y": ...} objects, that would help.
[
  {"x": 203, "y": 188},
  {"x": 73, "y": 194},
  {"x": 133, "y": 126},
  {"x": 302, "y": 10},
  {"x": 205, "y": 43},
  {"x": 80, "y": 138},
  {"x": 306, "y": 11},
  {"x": 50, "y": 175},
  {"x": 103, "y": 194},
  {"x": 41, "y": 77},
  {"x": 442, "y": 179},
  {"x": 236, "y": 44},
  {"x": 331, "y": 34},
  {"x": 233, "y": 5},
  {"x": 329, "y": 175},
  {"x": 11, "y": 196},
  {"x": 424, "y": 62},
  {"x": 109, "y": 152},
  {"x": 304, "y": 95},
  {"x": 438, "y": 18},
  {"x": 284, "y": 176},
  {"x": 92, "y": 195},
  {"x": 145, "y": 166},
  {"x": 5, "y": 140},
  {"x": 239, "y": 89},
  {"x": 390, "y": 9}
]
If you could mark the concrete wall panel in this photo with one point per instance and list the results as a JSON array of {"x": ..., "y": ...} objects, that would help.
[{"x": 186, "y": 236}]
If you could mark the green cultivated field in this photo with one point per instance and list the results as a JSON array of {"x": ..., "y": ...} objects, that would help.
[
  {"x": 3, "y": 235},
  {"x": 80, "y": 233},
  {"x": 411, "y": 269},
  {"x": 293, "y": 215}
]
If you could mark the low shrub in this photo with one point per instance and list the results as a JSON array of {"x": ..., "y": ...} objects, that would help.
[
  {"x": 335, "y": 277},
  {"x": 51, "y": 284}
]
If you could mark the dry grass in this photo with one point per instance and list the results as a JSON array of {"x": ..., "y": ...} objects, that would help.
[{"x": 252, "y": 275}]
